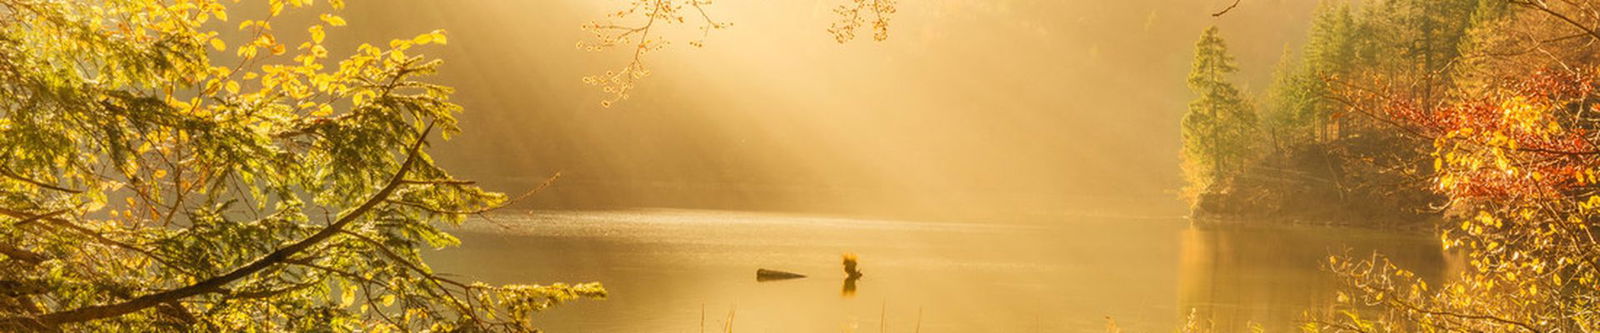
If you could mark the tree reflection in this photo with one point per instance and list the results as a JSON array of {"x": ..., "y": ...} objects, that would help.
[
  {"x": 849, "y": 286},
  {"x": 1231, "y": 278}
]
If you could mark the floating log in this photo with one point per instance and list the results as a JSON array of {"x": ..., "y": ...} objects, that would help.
[{"x": 764, "y": 274}]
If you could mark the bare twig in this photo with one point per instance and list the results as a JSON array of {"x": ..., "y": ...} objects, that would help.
[{"x": 1226, "y": 10}]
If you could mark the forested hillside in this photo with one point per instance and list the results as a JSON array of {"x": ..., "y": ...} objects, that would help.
[
  {"x": 1480, "y": 112},
  {"x": 1308, "y": 148}
]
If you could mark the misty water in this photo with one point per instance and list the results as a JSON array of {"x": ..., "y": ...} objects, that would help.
[{"x": 684, "y": 270}]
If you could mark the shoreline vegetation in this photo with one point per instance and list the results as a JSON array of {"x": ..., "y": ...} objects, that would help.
[
  {"x": 1300, "y": 153},
  {"x": 1476, "y": 118}
]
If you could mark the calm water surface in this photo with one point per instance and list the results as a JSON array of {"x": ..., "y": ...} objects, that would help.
[{"x": 668, "y": 269}]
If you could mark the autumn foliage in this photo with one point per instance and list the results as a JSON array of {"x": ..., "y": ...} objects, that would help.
[
  {"x": 158, "y": 177},
  {"x": 1513, "y": 149}
]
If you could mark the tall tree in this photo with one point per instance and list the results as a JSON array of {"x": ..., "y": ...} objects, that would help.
[
  {"x": 1217, "y": 130},
  {"x": 151, "y": 181},
  {"x": 1330, "y": 53},
  {"x": 1282, "y": 121},
  {"x": 1470, "y": 75}
]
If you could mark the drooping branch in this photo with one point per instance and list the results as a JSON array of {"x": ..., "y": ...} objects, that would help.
[
  {"x": 455, "y": 301},
  {"x": 52, "y": 219},
  {"x": 478, "y": 211},
  {"x": 8, "y": 174},
  {"x": 217, "y": 283}
]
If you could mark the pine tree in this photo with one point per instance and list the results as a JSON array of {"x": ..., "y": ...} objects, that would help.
[
  {"x": 1331, "y": 52},
  {"x": 1282, "y": 118},
  {"x": 1468, "y": 75},
  {"x": 1218, "y": 129}
]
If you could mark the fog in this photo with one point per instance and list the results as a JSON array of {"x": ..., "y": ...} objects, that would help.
[{"x": 970, "y": 109}]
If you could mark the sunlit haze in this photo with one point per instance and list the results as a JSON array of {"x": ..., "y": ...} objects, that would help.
[{"x": 971, "y": 107}]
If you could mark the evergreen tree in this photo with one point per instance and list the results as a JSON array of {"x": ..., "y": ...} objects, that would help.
[
  {"x": 1331, "y": 52},
  {"x": 1418, "y": 39},
  {"x": 1217, "y": 130},
  {"x": 1469, "y": 75},
  {"x": 1282, "y": 118}
]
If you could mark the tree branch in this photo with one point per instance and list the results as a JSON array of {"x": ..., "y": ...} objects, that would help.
[
  {"x": 13, "y": 175},
  {"x": 19, "y": 254},
  {"x": 1541, "y": 6},
  {"x": 1226, "y": 10},
  {"x": 215, "y": 284}
]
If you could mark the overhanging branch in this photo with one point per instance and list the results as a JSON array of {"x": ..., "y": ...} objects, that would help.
[{"x": 216, "y": 284}]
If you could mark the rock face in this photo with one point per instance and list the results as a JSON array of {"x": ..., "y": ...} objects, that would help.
[{"x": 764, "y": 274}]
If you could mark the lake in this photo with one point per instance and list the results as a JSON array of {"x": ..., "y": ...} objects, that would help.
[{"x": 693, "y": 271}]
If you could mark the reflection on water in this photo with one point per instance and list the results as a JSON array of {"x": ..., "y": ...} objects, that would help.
[
  {"x": 765, "y": 275},
  {"x": 1234, "y": 278},
  {"x": 849, "y": 289},
  {"x": 681, "y": 271}
]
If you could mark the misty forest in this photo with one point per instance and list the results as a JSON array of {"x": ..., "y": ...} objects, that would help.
[{"x": 799, "y": 166}]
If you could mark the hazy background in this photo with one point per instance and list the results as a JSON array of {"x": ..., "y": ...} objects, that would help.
[{"x": 972, "y": 108}]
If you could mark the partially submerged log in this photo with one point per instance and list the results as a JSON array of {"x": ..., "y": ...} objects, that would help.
[
  {"x": 764, "y": 274},
  {"x": 850, "y": 266}
]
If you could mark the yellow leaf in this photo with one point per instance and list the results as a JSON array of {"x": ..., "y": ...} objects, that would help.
[
  {"x": 347, "y": 296},
  {"x": 316, "y": 34},
  {"x": 333, "y": 20},
  {"x": 323, "y": 111},
  {"x": 232, "y": 87},
  {"x": 218, "y": 44},
  {"x": 438, "y": 36}
]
